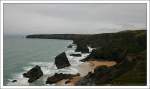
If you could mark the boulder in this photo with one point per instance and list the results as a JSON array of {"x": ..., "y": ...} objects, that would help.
[
  {"x": 33, "y": 74},
  {"x": 57, "y": 77},
  {"x": 82, "y": 48},
  {"x": 77, "y": 55},
  {"x": 61, "y": 61},
  {"x": 14, "y": 81}
]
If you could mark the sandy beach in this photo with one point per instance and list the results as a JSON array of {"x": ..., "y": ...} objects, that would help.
[
  {"x": 95, "y": 64},
  {"x": 84, "y": 69}
]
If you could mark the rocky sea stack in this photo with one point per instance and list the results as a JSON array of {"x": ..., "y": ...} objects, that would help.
[
  {"x": 33, "y": 74},
  {"x": 61, "y": 61},
  {"x": 82, "y": 48}
]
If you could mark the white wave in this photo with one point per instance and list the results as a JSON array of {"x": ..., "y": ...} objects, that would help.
[
  {"x": 46, "y": 67},
  {"x": 68, "y": 70},
  {"x": 75, "y": 61},
  {"x": 24, "y": 81},
  {"x": 90, "y": 49},
  {"x": 20, "y": 80},
  {"x": 48, "y": 70}
]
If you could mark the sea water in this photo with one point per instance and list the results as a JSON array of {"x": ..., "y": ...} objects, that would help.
[{"x": 21, "y": 54}]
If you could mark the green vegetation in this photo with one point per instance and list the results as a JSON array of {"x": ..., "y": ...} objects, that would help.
[
  {"x": 132, "y": 72},
  {"x": 135, "y": 76}
]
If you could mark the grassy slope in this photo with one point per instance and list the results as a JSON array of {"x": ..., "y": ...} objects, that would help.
[
  {"x": 135, "y": 43},
  {"x": 135, "y": 76}
]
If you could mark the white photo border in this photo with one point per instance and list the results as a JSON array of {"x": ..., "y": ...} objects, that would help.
[{"x": 75, "y": 87}]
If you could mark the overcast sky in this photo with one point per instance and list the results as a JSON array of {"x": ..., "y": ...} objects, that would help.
[{"x": 72, "y": 18}]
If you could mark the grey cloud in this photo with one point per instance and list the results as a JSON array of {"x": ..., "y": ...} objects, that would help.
[{"x": 72, "y": 18}]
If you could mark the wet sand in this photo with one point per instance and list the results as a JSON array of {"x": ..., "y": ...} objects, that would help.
[{"x": 89, "y": 66}]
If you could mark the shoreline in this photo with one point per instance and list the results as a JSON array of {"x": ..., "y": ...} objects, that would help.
[{"x": 85, "y": 68}]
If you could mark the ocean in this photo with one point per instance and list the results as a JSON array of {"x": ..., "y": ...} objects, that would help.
[{"x": 21, "y": 54}]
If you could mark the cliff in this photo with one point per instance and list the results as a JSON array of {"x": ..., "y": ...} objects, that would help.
[
  {"x": 57, "y": 36},
  {"x": 128, "y": 48}
]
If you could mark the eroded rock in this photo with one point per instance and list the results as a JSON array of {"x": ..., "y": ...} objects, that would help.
[
  {"x": 57, "y": 77},
  {"x": 33, "y": 74},
  {"x": 82, "y": 48},
  {"x": 61, "y": 61}
]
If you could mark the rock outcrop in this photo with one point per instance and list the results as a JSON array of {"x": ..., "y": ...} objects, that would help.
[
  {"x": 14, "y": 81},
  {"x": 82, "y": 48},
  {"x": 115, "y": 54},
  {"x": 100, "y": 75},
  {"x": 61, "y": 61},
  {"x": 33, "y": 74},
  {"x": 57, "y": 77},
  {"x": 76, "y": 55}
]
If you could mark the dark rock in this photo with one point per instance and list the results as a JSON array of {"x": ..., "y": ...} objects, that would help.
[
  {"x": 14, "y": 81},
  {"x": 57, "y": 77},
  {"x": 69, "y": 46},
  {"x": 100, "y": 75},
  {"x": 115, "y": 54},
  {"x": 90, "y": 74},
  {"x": 93, "y": 55},
  {"x": 103, "y": 74},
  {"x": 82, "y": 48},
  {"x": 61, "y": 61},
  {"x": 77, "y": 55},
  {"x": 101, "y": 69},
  {"x": 85, "y": 82},
  {"x": 33, "y": 74}
]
